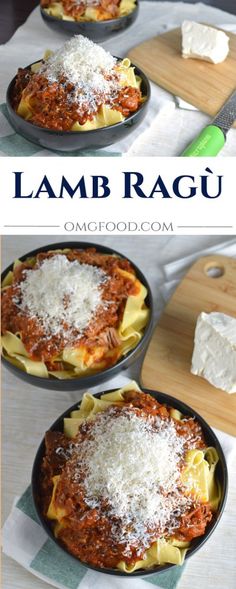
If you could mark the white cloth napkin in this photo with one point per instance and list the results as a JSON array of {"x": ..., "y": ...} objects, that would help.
[{"x": 167, "y": 129}]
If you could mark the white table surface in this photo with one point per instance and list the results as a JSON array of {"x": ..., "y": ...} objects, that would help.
[{"x": 28, "y": 411}]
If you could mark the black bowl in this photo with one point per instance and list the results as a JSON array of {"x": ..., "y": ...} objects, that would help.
[
  {"x": 221, "y": 473},
  {"x": 97, "y": 31},
  {"x": 78, "y": 140},
  {"x": 94, "y": 379}
]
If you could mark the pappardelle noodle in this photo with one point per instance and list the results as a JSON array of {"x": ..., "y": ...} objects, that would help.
[
  {"x": 88, "y": 10},
  {"x": 130, "y": 483},
  {"x": 70, "y": 313},
  {"x": 80, "y": 87}
]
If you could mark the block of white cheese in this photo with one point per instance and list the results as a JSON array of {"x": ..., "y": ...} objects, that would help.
[
  {"x": 214, "y": 354},
  {"x": 203, "y": 42}
]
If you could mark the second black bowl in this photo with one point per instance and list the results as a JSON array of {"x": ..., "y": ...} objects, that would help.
[
  {"x": 221, "y": 473},
  {"x": 78, "y": 140},
  {"x": 94, "y": 379},
  {"x": 96, "y": 31}
]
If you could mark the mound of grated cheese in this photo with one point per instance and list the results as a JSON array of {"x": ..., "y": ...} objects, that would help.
[
  {"x": 85, "y": 65},
  {"x": 60, "y": 291},
  {"x": 133, "y": 464}
]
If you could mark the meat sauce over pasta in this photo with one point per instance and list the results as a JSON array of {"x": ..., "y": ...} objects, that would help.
[
  {"x": 87, "y": 532},
  {"x": 105, "y": 9},
  {"x": 101, "y": 330},
  {"x": 79, "y": 83},
  {"x": 53, "y": 106}
]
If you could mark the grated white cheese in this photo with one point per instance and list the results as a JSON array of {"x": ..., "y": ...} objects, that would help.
[
  {"x": 87, "y": 2},
  {"x": 60, "y": 291},
  {"x": 133, "y": 464},
  {"x": 85, "y": 65}
]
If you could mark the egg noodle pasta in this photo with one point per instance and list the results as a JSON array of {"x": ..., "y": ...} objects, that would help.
[
  {"x": 139, "y": 479},
  {"x": 80, "y": 87},
  {"x": 88, "y": 10},
  {"x": 69, "y": 313}
]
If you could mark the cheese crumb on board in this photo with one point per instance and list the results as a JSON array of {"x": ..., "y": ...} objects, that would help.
[
  {"x": 214, "y": 355},
  {"x": 203, "y": 42}
]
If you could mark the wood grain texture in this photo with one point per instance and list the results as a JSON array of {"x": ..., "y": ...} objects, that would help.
[
  {"x": 168, "y": 360},
  {"x": 204, "y": 85}
]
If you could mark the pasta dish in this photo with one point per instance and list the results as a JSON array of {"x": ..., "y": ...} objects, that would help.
[
  {"x": 130, "y": 483},
  {"x": 88, "y": 10},
  {"x": 80, "y": 87},
  {"x": 68, "y": 313}
]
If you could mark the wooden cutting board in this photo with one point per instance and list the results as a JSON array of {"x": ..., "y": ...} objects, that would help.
[
  {"x": 167, "y": 362},
  {"x": 205, "y": 85}
]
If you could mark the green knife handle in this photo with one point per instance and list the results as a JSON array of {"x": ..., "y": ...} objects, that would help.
[{"x": 208, "y": 143}]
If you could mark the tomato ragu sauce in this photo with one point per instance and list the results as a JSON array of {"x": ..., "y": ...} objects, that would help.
[
  {"x": 74, "y": 86},
  {"x": 105, "y": 9},
  {"x": 90, "y": 530},
  {"x": 53, "y": 108},
  {"x": 42, "y": 344}
]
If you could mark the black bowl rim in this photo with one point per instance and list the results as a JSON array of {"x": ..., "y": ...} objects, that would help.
[
  {"x": 43, "y": 130},
  {"x": 93, "y": 22},
  {"x": 89, "y": 380},
  {"x": 209, "y": 435}
]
